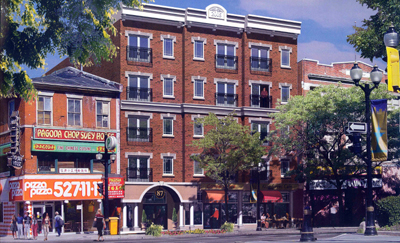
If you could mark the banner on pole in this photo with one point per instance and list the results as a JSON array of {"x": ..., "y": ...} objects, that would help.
[{"x": 379, "y": 141}]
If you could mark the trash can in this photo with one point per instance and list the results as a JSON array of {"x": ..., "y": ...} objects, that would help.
[{"x": 113, "y": 225}]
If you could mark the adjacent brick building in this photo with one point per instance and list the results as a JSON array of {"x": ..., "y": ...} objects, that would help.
[{"x": 177, "y": 65}]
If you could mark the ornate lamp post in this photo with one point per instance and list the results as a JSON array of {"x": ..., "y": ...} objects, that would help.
[
  {"x": 260, "y": 168},
  {"x": 376, "y": 77}
]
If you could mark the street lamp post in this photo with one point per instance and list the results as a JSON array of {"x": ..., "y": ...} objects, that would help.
[
  {"x": 108, "y": 159},
  {"x": 376, "y": 77},
  {"x": 259, "y": 169}
]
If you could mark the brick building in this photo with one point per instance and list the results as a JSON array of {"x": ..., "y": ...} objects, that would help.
[
  {"x": 177, "y": 65},
  {"x": 60, "y": 132},
  {"x": 313, "y": 74}
]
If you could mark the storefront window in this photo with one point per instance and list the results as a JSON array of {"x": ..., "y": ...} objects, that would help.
[
  {"x": 46, "y": 164},
  {"x": 198, "y": 214},
  {"x": 232, "y": 209},
  {"x": 68, "y": 163},
  {"x": 249, "y": 213}
]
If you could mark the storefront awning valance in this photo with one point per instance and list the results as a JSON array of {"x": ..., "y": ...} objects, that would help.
[
  {"x": 271, "y": 196},
  {"x": 215, "y": 196}
]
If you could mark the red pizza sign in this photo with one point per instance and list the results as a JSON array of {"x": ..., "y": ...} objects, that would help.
[{"x": 73, "y": 135}]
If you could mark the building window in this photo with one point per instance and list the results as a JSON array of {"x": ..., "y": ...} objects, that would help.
[
  {"x": 285, "y": 167},
  {"x": 168, "y": 126},
  {"x": 138, "y": 129},
  {"x": 168, "y": 46},
  {"x": 11, "y": 108},
  {"x": 138, "y": 169},
  {"x": 139, "y": 88},
  {"x": 168, "y": 85},
  {"x": 102, "y": 113},
  {"x": 139, "y": 48},
  {"x": 285, "y": 56},
  {"x": 285, "y": 94},
  {"x": 226, "y": 95},
  {"x": 168, "y": 166},
  {"x": 197, "y": 169},
  {"x": 260, "y": 95},
  {"x": 44, "y": 108},
  {"x": 225, "y": 57},
  {"x": 198, "y": 87},
  {"x": 262, "y": 128},
  {"x": 198, "y": 48},
  {"x": 74, "y": 112},
  {"x": 259, "y": 59},
  {"x": 198, "y": 128}
]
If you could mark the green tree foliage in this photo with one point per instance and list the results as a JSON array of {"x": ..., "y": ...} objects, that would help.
[
  {"x": 227, "y": 148},
  {"x": 368, "y": 39},
  {"x": 32, "y": 29},
  {"x": 317, "y": 125},
  {"x": 388, "y": 211}
]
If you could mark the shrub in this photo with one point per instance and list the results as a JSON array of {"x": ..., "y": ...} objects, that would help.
[
  {"x": 228, "y": 227},
  {"x": 174, "y": 216},
  {"x": 388, "y": 211},
  {"x": 154, "y": 230},
  {"x": 144, "y": 217}
]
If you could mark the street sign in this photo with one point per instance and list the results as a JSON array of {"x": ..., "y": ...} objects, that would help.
[{"x": 360, "y": 127}]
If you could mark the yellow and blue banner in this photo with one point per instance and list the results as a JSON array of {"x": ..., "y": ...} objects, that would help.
[{"x": 379, "y": 141}]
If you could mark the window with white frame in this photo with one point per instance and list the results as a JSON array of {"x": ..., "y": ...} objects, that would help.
[
  {"x": 198, "y": 87},
  {"x": 139, "y": 129},
  {"x": 285, "y": 167},
  {"x": 198, "y": 171},
  {"x": 260, "y": 58},
  {"x": 285, "y": 56},
  {"x": 138, "y": 168},
  {"x": 168, "y": 165},
  {"x": 168, "y": 85},
  {"x": 285, "y": 92},
  {"x": 11, "y": 108},
  {"x": 102, "y": 113},
  {"x": 198, "y": 128},
  {"x": 226, "y": 56},
  {"x": 139, "y": 88},
  {"x": 139, "y": 47},
  {"x": 168, "y": 46},
  {"x": 262, "y": 128},
  {"x": 168, "y": 124},
  {"x": 74, "y": 112},
  {"x": 44, "y": 110},
  {"x": 226, "y": 93},
  {"x": 198, "y": 48}
]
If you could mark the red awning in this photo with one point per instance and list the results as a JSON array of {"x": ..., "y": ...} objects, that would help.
[
  {"x": 271, "y": 196},
  {"x": 215, "y": 196}
]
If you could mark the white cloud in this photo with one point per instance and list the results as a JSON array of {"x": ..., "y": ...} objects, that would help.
[
  {"x": 328, "y": 13},
  {"x": 326, "y": 53}
]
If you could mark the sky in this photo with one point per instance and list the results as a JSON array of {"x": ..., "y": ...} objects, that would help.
[{"x": 324, "y": 29}]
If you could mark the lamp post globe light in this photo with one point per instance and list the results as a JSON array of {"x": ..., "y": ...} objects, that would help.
[
  {"x": 376, "y": 77},
  {"x": 391, "y": 37}
]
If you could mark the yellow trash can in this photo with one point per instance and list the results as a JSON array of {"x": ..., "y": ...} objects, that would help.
[{"x": 113, "y": 225}]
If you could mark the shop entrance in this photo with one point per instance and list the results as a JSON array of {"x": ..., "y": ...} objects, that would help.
[
  {"x": 157, "y": 214},
  {"x": 212, "y": 213},
  {"x": 42, "y": 209}
]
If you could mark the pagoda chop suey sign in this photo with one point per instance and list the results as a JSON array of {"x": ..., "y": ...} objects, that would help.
[{"x": 73, "y": 135}]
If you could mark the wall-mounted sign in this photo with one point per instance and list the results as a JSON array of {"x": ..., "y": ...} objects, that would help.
[
  {"x": 17, "y": 161},
  {"x": 70, "y": 147},
  {"x": 72, "y": 135},
  {"x": 159, "y": 193},
  {"x": 53, "y": 189},
  {"x": 74, "y": 170},
  {"x": 5, "y": 148},
  {"x": 116, "y": 187}
]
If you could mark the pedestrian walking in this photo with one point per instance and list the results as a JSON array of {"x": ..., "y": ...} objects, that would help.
[
  {"x": 13, "y": 227},
  {"x": 58, "y": 223},
  {"x": 20, "y": 226},
  {"x": 35, "y": 225},
  {"x": 100, "y": 225},
  {"x": 46, "y": 225},
  {"x": 27, "y": 225}
]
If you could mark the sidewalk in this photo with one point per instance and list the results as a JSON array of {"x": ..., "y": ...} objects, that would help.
[{"x": 71, "y": 237}]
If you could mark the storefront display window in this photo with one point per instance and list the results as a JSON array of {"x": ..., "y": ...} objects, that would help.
[
  {"x": 68, "y": 163},
  {"x": 198, "y": 214},
  {"x": 46, "y": 164},
  {"x": 249, "y": 213}
]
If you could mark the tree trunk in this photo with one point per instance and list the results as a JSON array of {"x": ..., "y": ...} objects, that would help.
[
  {"x": 339, "y": 193},
  {"x": 226, "y": 204}
]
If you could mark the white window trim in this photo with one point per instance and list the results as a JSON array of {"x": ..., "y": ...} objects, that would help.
[
  {"x": 47, "y": 95},
  {"x": 290, "y": 52},
  {"x": 194, "y": 171},
  {"x": 109, "y": 114},
  {"x": 251, "y": 44},
  {"x": 285, "y": 85},
  {"x": 194, "y": 85},
  {"x": 198, "y": 38},
  {"x": 139, "y": 113},
  {"x": 171, "y": 117},
  {"x": 81, "y": 114},
  {"x": 131, "y": 32},
  {"x": 173, "y": 156},
  {"x": 75, "y": 96},
  {"x": 226, "y": 42},
  {"x": 163, "y": 76},
  {"x": 103, "y": 99},
  {"x": 225, "y": 80},
  {"x": 129, "y": 73},
  {"x": 138, "y": 154},
  {"x": 173, "y": 38},
  {"x": 288, "y": 158},
  {"x": 193, "y": 119}
]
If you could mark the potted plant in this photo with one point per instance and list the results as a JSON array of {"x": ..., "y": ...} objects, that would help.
[
  {"x": 144, "y": 220},
  {"x": 175, "y": 218}
]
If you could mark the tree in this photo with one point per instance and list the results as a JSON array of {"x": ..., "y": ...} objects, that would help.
[
  {"x": 318, "y": 124},
  {"x": 227, "y": 148},
  {"x": 31, "y": 29},
  {"x": 368, "y": 39}
]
